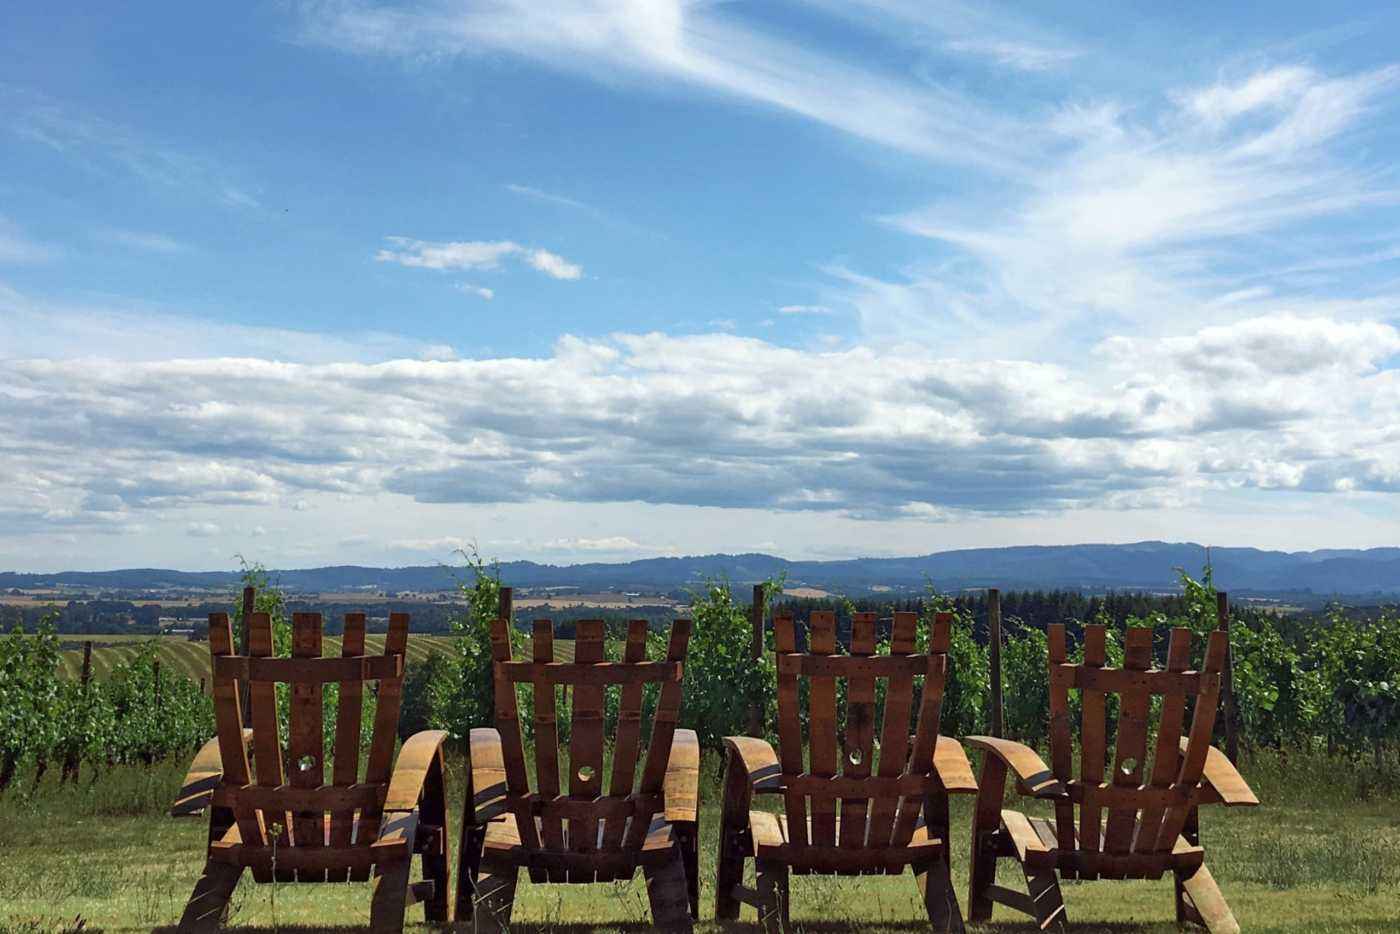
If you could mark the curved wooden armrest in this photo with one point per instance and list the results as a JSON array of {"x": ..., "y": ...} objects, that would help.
[
  {"x": 486, "y": 792},
  {"x": 954, "y": 771},
  {"x": 1223, "y": 782},
  {"x": 206, "y": 771},
  {"x": 1033, "y": 776},
  {"x": 416, "y": 759},
  {"x": 682, "y": 786},
  {"x": 758, "y": 761},
  {"x": 750, "y": 766}
]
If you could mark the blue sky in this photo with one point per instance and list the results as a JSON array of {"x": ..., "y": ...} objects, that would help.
[{"x": 360, "y": 282}]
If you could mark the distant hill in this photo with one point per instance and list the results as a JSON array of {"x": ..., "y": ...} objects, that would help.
[{"x": 1139, "y": 566}]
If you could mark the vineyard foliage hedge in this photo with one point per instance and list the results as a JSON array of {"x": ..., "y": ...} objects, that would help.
[{"x": 1329, "y": 683}]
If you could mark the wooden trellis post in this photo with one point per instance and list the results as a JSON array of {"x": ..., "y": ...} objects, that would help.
[
  {"x": 756, "y": 614},
  {"x": 246, "y": 700},
  {"x": 998, "y": 724},
  {"x": 1222, "y": 622},
  {"x": 72, "y": 764}
]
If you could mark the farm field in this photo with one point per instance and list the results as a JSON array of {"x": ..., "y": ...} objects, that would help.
[
  {"x": 1321, "y": 855},
  {"x": 191, "y": 659}
]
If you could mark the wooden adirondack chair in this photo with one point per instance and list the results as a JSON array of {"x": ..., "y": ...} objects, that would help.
[
  {"x": 584, "y": 835},
  {"x": 287, "y": 824},
  {"x": 895, "y": 817},
  {"x": 1151, "y": 825}
]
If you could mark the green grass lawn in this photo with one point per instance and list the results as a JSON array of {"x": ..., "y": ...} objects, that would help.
[{"x": 1322, "y": 854}]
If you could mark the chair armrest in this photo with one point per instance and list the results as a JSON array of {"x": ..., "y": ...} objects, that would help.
[
  {"x": 486, "y": 790},
  {"x": 757, "y": 760},
  {"x": 1033, "y": 776},
  {"x": 953, "y": 769},
  {"x": 682, "y": 787},
  {"x": 1223, "y": 782},
  {"x": 416, "y": 760},
  {"x": 206, "y": 771},
  {"x": 750, "y": 766}
]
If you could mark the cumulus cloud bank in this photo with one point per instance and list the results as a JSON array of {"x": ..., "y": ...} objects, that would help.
[{"x": 1282, "y": 402}]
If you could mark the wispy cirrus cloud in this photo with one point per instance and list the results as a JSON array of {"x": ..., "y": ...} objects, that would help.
[
  {"x": 1142, "y": 218},
  {"x": 539, "y": 194},
  {"x": 106, "y": 147},
  {"x": 474, "y": 254},
  {"x": 142, "y": 240},
  {"x": 1018, "y": 55},
  {"x": 981, "y": 31},
  {"x": 695, "y": 45},
  {"x": 18, "y": 248}
]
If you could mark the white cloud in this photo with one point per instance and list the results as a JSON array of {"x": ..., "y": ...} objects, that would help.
[
  {"x": 475, "y": 254},
  {"x": 1279, "y": 402},
  {"x": 805, "y": 310},
  {"x": 609, "y": 543},
  {"x": 653, "y": 43},
  {"x": 445, "y": 545},
  {"x": 553, "y": 265},
  {"x": 1019, "y": 55},
  {"x": 480, "y": 291},
  {"x": 144, "y": 240},
  {"x": 539, "y": 194},
  {"x": 202, "y": 529},
  {"x": 104, "y": 147},
  {"x": 1138, "y": 222},
  {"x": 58, "y": 330}
]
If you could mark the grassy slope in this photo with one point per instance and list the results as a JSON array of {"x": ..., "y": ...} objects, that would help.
[{"x": 1321, "y": 855}]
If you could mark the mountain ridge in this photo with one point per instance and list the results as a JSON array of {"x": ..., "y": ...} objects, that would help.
[{"x": 1148, "y": 565}]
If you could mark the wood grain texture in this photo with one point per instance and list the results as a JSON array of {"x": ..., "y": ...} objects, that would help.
[{"x": 348, "y": 720}]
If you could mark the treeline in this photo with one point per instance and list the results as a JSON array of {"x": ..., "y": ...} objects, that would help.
[
  {"x": 105, "y": 617},
  {"x": 1326, "y": 682}
]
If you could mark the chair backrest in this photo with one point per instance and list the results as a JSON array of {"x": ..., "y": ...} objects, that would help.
[
  {"x": 295, "y": 796},
  {"x": 877, "y": 811},
  {"x": 1146, "y": 811},
  {"x": 585, "y": 826}
]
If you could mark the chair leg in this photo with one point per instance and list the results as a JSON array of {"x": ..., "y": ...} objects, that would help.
[
  {"x": 986, "y": 824},
  {"x": 1047, "y": 905},
  {"x": 669, "y": 894},
  {"x": 941, "y": 903},
  {"x": 495, "y": 895},
  {"x": 1202, "y": 902},
  {"x": 983, "y": 875},
  {"x": 775, "y": 909},
  {"x": 729, "y": 873},
  {"x": 389, "y": 902},
  {"x": 690, "y": 850},
  {"x": 436, "y": 871},
  {"x": 468, "y": 867},
  {"x": 208, "y": 904},
  {"x": 437, "y": 854}
]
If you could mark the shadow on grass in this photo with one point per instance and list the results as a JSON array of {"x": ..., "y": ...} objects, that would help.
[{"x": 1364, "y": 926}]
